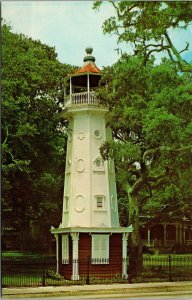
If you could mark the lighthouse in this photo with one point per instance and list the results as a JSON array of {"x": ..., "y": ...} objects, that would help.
[{"x": 90, "y": 227}]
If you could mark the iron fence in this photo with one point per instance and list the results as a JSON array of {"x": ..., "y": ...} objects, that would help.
[
  {"x": 42, "y": 272},
  {"x": 168, "y": 267}
]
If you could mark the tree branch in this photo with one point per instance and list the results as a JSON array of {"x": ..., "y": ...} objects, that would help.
[
  {"x": 116, "y": 8},
  {"x": 159, "y": 182},
  {"x": 7, "y": 134},
  {"x": 186, "y": 48},
  {"x": 158, "y": 177},
  {"x": 118, "y": 11},
  {"x": 182, "y": 64},
  {"x": 150, "y": 152},
  {"x": 150, "y": 193},
  {"x": 137, "y": 185}
]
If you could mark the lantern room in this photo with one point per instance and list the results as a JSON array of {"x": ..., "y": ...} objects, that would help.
[{"x": 82, "y": 83}]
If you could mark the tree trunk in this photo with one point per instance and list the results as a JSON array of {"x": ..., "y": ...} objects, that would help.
[{"x": 135, "y": 245}]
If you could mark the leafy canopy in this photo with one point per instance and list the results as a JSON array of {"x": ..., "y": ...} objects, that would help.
[
  {"x": 33, "y": 140},
  {"x": 148, "y": 26},
  {"x": 150, "y": 116}
]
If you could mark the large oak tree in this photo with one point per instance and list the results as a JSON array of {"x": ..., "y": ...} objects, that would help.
[
  {"x": 33, "y": 140},
  {"x": 149, "y": 111}
]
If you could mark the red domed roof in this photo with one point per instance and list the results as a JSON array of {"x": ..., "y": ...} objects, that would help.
[
  {"x": 89, "y": 64},
  {"x": 89, "y": 67}
]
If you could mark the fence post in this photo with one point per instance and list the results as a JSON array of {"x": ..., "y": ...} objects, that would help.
[
  {"x": 130, "y": 271},
  {"x": 88, "y": 279},
  {"x": 43, "y": 274},
  {"x": 129, "y": 278},
  {"x": 170, "y": 270}
]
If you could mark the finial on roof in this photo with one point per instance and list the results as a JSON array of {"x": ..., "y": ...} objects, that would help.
[
  {"x": 89, "y": 50},
  {"x": 89, "y": 57}
]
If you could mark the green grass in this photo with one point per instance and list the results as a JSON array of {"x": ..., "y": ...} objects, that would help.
[
  {"x": 12, "y": 254},
  {"x": 21, "y": 280},
  {"x": 163, "y": 256},
  {"x": 18, "y": 254},
  {"x": 163, "y": 259}
]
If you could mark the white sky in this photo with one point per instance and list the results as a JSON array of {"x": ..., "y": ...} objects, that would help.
[{"x": 70, "y": 26}]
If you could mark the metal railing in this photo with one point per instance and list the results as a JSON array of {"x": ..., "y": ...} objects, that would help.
[
  {"x": 81, "y": 98},
  {"x": 84, "y": 98},
  {"x": 42, "y": 272}
]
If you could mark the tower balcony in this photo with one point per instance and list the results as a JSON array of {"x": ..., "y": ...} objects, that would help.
[{"x": 81, "y": 99}]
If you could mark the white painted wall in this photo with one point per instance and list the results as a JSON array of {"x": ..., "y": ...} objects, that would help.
[{"x": 84, "y": 180}]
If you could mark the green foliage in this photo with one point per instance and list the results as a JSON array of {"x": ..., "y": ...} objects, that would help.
[
  {"x": 149, "y": 111},
  {"x": 146, "y": 26},
  {"x": 33, "y": 140},
  {"x": 150, "y": 116}
]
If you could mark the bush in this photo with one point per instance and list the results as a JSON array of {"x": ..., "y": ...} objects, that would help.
[
  {"x": 51, "y": 274},
  {"x": 181, "y": 249},
  {"x": 148, "y": 250}
]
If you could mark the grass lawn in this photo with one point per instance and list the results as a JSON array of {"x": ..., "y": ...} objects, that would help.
[
  {"x": 18, "y": 254},
  {"x": 163, "y": 259},
  {"x": 21, "y": 280}
]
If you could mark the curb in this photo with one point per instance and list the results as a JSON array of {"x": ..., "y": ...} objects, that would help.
[{"x": 105, "y": 290}]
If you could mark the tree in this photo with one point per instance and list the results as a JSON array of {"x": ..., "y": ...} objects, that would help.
[
  {"x": 150, "y": 116},
  {"x": 147, "y": 26},
  {"x": 152, "y": 132},
  {"x": 33, "y": 139}
]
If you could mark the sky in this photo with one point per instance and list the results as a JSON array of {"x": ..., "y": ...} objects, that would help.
[{"x": 71, "y": 26}]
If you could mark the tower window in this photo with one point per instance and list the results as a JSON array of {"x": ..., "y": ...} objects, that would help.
[
  {"x": 100, "y": 202},
  {"x": 97, "y": 133},
  {"x": 66, "y": 203},
  {"x": 98, "y": 162},
  {"x": 100, "y": 249},
  {"x": 65, "y": 249}
]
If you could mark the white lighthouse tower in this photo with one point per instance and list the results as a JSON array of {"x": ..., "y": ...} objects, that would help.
[{"x": 90, "y": 222}]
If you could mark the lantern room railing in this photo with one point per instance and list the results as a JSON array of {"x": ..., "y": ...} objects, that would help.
[{"x": 82, "y": 98}]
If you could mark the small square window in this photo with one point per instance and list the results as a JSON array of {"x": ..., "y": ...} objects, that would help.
[
  {"x": 98, "y": 164},
  {"x": 100, "y": 202}
]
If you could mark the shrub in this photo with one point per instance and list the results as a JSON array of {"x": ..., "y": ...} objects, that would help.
[{"x": 181, "y": 249}]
